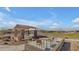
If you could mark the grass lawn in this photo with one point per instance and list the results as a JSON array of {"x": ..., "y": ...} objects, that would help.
[
  {"x": 72, "y": 35},
  {"x": 62, "y": 35}
]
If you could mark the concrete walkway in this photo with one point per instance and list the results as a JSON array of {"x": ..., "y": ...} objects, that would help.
[{"x": 12, "y": 47}]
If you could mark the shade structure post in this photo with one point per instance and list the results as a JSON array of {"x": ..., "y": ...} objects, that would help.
[{"x": 35, "y": 34}]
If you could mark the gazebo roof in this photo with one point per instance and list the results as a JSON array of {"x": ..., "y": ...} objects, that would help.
[{"x": 24, "y": 26}]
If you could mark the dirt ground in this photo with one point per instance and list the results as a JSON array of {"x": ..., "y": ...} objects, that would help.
[{"x": 75, "y": 46}]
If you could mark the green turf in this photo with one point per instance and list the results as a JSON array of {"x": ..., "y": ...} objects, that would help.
[
  {"x": 62, "y": 35},
  {"x": 72, "y": 35}
]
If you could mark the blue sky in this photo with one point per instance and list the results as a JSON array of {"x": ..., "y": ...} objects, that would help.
[{"x": 52, "y": 18}]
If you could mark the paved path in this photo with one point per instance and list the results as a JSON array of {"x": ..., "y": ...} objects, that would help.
[
  {"x": 12, "y": 47},
  {"x": 69, "y": 40}
]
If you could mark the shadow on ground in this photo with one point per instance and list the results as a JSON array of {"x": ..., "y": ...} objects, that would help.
[{"x": 66, "y": 46}]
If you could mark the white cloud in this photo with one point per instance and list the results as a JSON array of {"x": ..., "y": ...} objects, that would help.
[
  {"x": 26, "y": 22},
  {"x": 2, "y": 15},
  {"x": 76, "y": 25},
  {"x": 1, "y": 19},
  {"x": 44, "y": 23},
  {"x": 12, "y": 22},
  {"x": 76, "y": 21},
  {"x": 55, "y": 24},
  {"x": 8, "y": 9},
  {"x": 39, "y": 23}
]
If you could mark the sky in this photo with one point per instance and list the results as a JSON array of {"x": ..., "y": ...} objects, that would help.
[{"x": 49, "y": 18}]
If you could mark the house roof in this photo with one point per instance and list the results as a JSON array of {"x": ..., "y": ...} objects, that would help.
[{"x": 24, "y": 26}]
